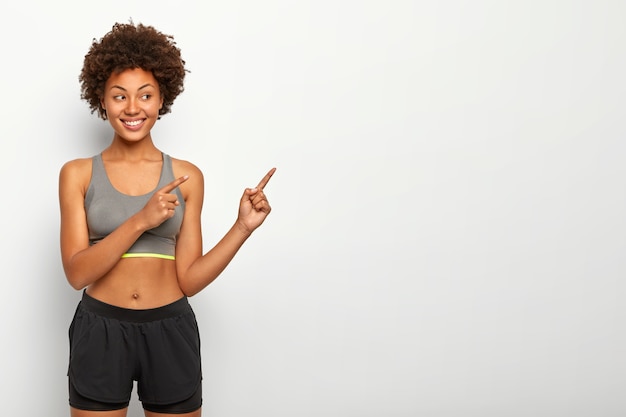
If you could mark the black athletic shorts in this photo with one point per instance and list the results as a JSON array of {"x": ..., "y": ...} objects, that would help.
[{"x": 110, "y": 347}]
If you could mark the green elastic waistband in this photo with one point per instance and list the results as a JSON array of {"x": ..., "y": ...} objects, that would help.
[{"x": 148, "y": 255}]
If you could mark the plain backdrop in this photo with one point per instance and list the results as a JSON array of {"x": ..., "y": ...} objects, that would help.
[{"x": 447, "y": 235}]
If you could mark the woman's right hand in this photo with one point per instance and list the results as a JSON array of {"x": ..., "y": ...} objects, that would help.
[{"x": 161, "y": 205}]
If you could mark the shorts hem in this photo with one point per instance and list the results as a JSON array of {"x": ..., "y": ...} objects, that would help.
[
  {"x": 88, "y": 408},
  {"x": 158, "y": 410},
  {"x": 109, "y": 404},
  {"x": 116, "y": 404},
  {"x": 172, "y": 400}
]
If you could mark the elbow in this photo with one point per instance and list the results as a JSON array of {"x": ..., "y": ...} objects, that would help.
[
  {"x": 76, "y": 281},
  {"x": 191, "y": 287},
  {"x": 187, "y": 289},
  {"x": 76, "y": 284},
  {"x": 190, "y": 293}
]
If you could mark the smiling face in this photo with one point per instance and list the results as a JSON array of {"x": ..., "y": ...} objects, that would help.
[{"x": 132, "y": 101}]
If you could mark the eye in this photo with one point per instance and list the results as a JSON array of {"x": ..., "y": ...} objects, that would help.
[
  {"x": 146, "y": 97},
  {"x": 118, "y": 97}
]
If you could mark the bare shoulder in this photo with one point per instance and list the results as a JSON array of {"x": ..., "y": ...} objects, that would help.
[
  {"x": 195, "y": 184},
  {"x": 182, "y": 167},
  {"x": 76, "y": 171}
]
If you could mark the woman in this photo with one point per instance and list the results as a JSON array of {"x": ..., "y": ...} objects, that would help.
[{"x": 131, "y": 238}]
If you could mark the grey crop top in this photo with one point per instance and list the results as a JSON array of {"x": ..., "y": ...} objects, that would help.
[{"x": 107, "y": 209}]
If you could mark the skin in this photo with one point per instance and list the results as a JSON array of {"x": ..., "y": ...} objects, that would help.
[{"x": 132, "y": 101}]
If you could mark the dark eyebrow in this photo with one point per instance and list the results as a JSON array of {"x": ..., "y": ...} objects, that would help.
[{"x": 123, "y": 89}]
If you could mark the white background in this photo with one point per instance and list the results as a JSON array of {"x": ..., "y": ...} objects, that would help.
[{"x": 448, "y": 229}]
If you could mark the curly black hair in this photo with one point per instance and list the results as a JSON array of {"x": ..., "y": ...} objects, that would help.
[{"x": 129, "y": 46}]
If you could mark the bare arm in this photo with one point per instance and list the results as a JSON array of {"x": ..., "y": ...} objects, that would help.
[
  {"x": 84, "y": 264},
  {"x": 196, "y": 271}
]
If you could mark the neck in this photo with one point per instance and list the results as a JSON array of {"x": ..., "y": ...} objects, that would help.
[{"x": 121, "y": 149}]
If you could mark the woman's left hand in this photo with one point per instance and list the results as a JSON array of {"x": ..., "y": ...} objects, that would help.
[{"x": 254, "y": 207}]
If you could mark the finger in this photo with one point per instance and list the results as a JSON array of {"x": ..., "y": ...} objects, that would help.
[
  {"x": 169, "y": 187},
  {"x": 247, "y": 195},
  {"x": 266, "y": 179},
  {"x": 262, "y": 206},
  {"x": 258, "y": 197},
  {"x": 169, "y": 198}
]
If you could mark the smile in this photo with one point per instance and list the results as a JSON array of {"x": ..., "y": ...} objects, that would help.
[{"x": 133, "y": 122}]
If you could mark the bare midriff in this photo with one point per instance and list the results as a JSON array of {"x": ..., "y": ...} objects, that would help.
[{"x": 138, "y": 283}]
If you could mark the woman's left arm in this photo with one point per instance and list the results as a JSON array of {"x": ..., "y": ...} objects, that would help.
[{"x": 195, "y": 270}]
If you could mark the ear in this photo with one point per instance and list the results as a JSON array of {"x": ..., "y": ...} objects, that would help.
[{"x": 161, "y": 103}]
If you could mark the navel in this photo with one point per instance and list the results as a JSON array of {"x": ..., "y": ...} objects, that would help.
[{"x": 135, "y": 296}]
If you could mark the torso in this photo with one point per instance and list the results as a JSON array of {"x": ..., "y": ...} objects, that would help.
[{"x": 136, "y": 283}]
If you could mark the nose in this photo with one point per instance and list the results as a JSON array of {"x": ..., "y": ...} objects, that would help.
[{"x": 132, "y": 106}]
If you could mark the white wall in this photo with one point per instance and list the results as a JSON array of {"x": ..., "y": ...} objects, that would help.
[{"x": 448, "y": 228}]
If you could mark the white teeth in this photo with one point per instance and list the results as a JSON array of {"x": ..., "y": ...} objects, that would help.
[{"x": 133, "y": 123}]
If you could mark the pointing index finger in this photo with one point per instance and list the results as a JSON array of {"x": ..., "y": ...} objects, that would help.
[
  {"x": 169, "y": 187},
  {"x": 266, "y": 179}
]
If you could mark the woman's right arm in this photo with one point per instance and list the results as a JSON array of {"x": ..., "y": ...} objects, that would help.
[{"x": 84, "y": 264}]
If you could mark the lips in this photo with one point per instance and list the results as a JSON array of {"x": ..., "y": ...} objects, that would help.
[{"x": 133, "y": 124}]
